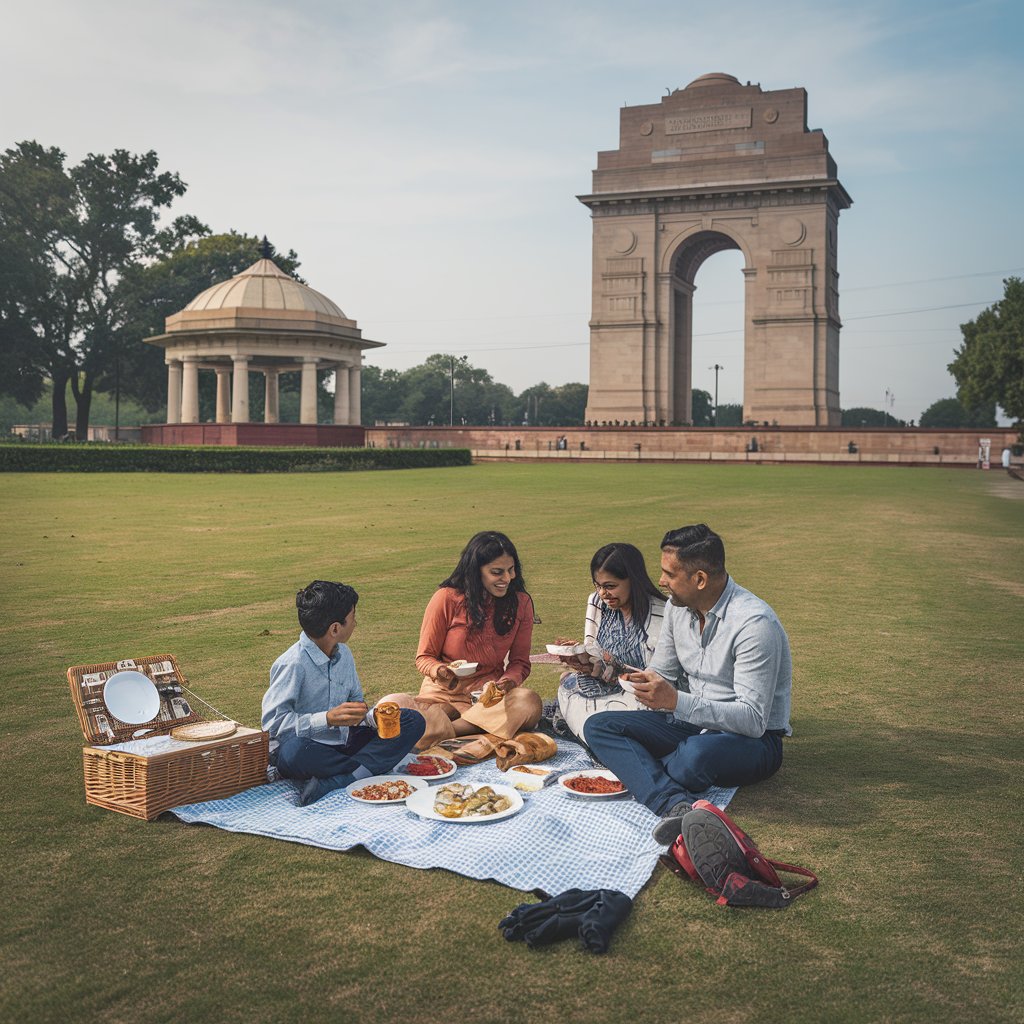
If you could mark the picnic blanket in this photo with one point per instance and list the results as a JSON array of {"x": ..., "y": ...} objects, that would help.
[{"x": 558, "y": 841}]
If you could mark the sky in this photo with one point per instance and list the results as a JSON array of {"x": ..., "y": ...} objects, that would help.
[{"x": 423, "y": 158}]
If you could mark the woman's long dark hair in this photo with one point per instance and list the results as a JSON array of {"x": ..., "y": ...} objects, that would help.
[
  {"x": 624, "y": 562},
  {"x": 482, "y": 549}
]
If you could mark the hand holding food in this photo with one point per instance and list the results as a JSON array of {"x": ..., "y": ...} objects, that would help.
[
  {"x": 388, "y": 717},
  {"x": 492, "y": 694},
  {"x": 444, "y": 674},
  {"x": 652, "y": 691},
  {"x": 351, "y": 712}
]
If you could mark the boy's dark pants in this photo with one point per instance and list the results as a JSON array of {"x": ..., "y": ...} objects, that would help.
[{"x": 307, "y": 759}]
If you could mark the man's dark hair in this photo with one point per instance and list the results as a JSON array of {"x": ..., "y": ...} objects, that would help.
[
  {"x": 697, "y": 547},
  {"x": 322, "y": 603}
]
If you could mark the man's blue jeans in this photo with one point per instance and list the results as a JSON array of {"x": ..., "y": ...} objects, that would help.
[
  {"x": 662, "y": 762},
  {"x": 307, "y": 759}
]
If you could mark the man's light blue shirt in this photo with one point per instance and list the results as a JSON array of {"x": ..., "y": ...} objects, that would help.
[
  {"x": 735, "y": 676},
  {"x": 304, "y": 685}
]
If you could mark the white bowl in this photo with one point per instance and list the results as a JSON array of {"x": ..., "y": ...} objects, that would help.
[
  {"x": 566, "y": 650},
  {"x": 466, "y": 669}
]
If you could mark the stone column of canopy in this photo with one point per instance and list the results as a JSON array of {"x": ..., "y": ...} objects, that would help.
[
  {"x": 223, "y": 394},
  {"x": 355, "y": 394},
  {"x": 341, "y": 393},
  {"x": 307, "y": 394},
  {"x": 173, "y": 390},
  {"x": 240, "y": 390},
  {"x": 190, "y": 390},
  {"x": 271, "y": 392}
]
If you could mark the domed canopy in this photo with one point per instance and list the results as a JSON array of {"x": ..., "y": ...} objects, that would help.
[
  {"x": 264, "y": 286},
  {"x": 715, "y": 78}
]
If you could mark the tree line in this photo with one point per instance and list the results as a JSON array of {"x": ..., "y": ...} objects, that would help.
[{"x": 88, "y": 269}]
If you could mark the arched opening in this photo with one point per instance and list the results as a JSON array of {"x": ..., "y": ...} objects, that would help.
[
  {"x": 693, "y": 339},
  {"x": 718, "y": 336}
]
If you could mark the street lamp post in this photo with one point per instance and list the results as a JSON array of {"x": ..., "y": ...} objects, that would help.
[{"x": 714, "y": 417}]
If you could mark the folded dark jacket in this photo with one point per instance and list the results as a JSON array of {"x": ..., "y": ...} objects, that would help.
[
  {"x": 601, "y": 920},
  {"x": 592, "y": 915}
]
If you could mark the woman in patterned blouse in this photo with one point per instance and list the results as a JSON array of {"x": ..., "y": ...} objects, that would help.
[{"x": 623, "y": 622}]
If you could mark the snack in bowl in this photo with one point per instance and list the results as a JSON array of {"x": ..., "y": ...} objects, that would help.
[
  {"x": 457, "y": 800},
  {"x": 491, "y": 695},
  {"x": 394, "y": 790},
  {"x": 388, "y": 717},
  {"x": 566, "y": 648},
  {"x": 462, "y": 668},
  {"x": 527, "y": 779}
]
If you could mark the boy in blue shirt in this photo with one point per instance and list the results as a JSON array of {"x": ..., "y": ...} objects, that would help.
[{"x": 321, "y": 731}]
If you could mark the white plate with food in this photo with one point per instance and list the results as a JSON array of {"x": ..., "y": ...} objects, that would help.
[
  {"x": 567, "y": 650},
  {"x": 385, "y": 789},
  {"x": 428, "y": 767},
  {"x": 463, "y": 669},
  {"x": 131, "y": 697},
  {"x": 425, "y": 803},
  {"x": 594, "y": 783}
]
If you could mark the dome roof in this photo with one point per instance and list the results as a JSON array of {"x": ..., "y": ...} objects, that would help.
[
  {"x": 264, "y": 286},
  {"x": 715, "y": 78}
]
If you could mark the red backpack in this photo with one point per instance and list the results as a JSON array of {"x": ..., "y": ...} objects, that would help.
[{"x": 716, "y": 853}]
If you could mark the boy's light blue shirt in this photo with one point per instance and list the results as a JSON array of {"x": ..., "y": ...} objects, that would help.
[
  {"x": 737, "y": 675},
  {"x": 304, "y": 684}
]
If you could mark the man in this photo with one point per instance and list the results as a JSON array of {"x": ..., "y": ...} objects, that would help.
[{"x": 721, "y": 676}]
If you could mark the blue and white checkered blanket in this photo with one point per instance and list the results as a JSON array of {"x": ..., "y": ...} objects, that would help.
[{"x": 556, "y": 842}]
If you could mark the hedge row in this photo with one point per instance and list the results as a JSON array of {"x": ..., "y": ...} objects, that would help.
[{"x": 109, "y": 458}]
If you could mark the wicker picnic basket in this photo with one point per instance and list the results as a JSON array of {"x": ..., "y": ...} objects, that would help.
[{"x": 146, "y": 785}]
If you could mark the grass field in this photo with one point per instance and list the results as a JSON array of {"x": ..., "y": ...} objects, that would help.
[{"x": 902, "y": 592}]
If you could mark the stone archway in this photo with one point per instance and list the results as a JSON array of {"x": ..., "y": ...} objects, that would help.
[{"x": 717, "y": 165}]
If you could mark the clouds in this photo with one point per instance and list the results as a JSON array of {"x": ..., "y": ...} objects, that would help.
[{"x": 423, "y": 157}]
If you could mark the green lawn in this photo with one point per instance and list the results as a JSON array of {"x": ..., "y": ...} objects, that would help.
[{"x": 903, "y": 595}]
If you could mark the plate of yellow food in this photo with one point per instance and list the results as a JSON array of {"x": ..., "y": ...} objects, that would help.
[{"x": 466, "y": 804}]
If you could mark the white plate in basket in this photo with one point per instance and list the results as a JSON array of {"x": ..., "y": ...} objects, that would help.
[
  {"x": 422, "y": 803},
  {"x": 131, "y": 697}
]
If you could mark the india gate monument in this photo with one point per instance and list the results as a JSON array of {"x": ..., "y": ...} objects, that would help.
[{"x": 715, "y": 166}]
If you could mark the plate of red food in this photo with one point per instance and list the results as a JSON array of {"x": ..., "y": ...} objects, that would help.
[
  {"x": 384, "y": 789},
  {"x": 594, "y": 782},
  {"x": 427, "y": 766}
]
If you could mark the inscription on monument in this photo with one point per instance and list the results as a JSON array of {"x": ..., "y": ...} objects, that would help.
[{"x": 716, "y": 121}]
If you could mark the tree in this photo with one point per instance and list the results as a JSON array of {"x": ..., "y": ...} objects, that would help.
[
  {"x": 730, "y": 414},
  {"x": 150, "y": 293},
  {"x": 862, "y": 416},
  {"x": 81, "y": 229},
  {"x": 989, "y": 365},
  {"x": 948, "y": 412},
  {"x": 701, "y": 408}
]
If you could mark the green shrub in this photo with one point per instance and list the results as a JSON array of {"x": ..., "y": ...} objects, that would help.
[{"x": 108, "y": 458}]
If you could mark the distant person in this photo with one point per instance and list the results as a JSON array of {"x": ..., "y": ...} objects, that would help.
[
  {"x": 480, "y": 613},
  {"x": 721, "y": 676},
  {"x": 322, "y": 734},
  {"x": 621, "y": 627},
  {"x": 1006, "y": 458}
]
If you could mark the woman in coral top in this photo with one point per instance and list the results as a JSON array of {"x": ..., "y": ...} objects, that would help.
[{"x": 481, "y": 613}]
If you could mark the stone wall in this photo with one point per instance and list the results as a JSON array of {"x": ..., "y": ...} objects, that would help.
[{"x": 907, "y": 446}]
